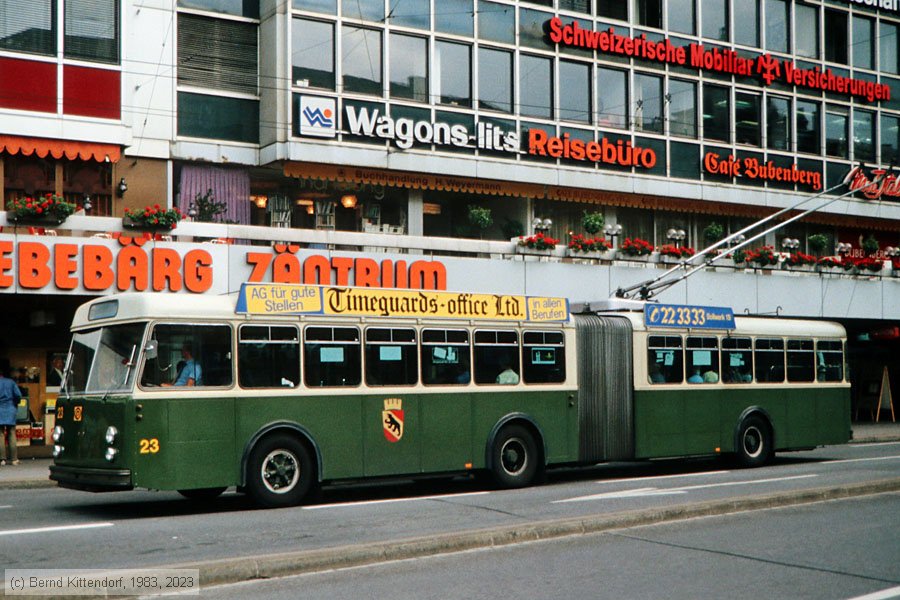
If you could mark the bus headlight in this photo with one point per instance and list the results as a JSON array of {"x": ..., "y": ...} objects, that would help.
[
  {"x": 111, "y": 433},
  {"x": 111, "y": 454},
  {"x": 57, "y": 433},
  {"x": 57, "y": 450}
]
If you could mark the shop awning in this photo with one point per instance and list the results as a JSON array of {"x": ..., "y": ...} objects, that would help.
[{"x": 14, "y": 144}]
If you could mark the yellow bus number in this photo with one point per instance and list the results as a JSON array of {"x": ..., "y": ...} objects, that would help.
[{"x": 150, "y": 446}]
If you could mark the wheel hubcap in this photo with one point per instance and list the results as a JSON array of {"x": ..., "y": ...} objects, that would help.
[
  {"x": 514, "y": 456},
  {"x": 753, "y": 442},
  {"x": 280, "y": 471}
]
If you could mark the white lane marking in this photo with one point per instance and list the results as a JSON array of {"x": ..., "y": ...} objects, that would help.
[
  {"x": 6, "y": 506},
  {"x": 701, "y": 474},
  {"x": 666, "y": 491},
  {"x": 893, "y": 592},
  {"x": 864, "y": 445},
  {"x": 57, "y": 528},
  {"x": 391, "y": 501},
  {"x": 850, "y": 460}
]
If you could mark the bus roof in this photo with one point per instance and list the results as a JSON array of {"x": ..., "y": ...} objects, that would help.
[{"x": 134, "y": 306}]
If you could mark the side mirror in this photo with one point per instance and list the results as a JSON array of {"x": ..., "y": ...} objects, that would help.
[{"x": 151, "y": 350}]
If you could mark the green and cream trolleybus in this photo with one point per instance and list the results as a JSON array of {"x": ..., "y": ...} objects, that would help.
[{"x": 280, "y": 388}]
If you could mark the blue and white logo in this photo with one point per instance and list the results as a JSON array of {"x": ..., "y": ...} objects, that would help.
[{"x": 317, "y": 116}]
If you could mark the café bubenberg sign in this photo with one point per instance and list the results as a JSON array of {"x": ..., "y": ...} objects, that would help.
[{"x": 405, "y": 133}]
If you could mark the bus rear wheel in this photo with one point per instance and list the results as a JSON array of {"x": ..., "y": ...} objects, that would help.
[
  {"x": 202, "y": 493},
  {"x": 754, "y": 442},
  {"x": 514, "y": 457},
  {"x": 280, "y": 472}
]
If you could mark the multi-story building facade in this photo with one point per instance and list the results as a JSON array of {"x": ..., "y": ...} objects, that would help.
[{"x": 671, "y": 118}]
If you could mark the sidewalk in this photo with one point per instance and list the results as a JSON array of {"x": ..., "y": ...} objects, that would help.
[{"x": 34, "y": 472}]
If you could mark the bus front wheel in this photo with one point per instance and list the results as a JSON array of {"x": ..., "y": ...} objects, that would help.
[
  {"x": 514, "y": 457},
  {"x": 280, "y": 471},
  {"x": 754, "y": 442}
]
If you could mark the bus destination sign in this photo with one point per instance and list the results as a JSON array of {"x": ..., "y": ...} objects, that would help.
[
  {"x": 292, "y": 299},
  {"x": 682, "y": 316}
]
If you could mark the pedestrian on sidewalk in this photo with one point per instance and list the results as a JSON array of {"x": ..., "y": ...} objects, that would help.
[{"x": 9, "y": 402}]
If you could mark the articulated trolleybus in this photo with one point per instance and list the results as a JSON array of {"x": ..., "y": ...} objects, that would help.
[{"x": 280, "y": 388}]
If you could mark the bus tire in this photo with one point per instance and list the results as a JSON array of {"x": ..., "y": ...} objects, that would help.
[
  {"x": 280, "y": 471},
  {"x": 754, "y": 442},
  {"x": 202, "y": 493},
  {"x": 514, "y": 457}
]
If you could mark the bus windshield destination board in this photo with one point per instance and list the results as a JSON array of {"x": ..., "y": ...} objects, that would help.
[
  {"x": 695, "y": 317},
  {"x": 290, "y": 299}
]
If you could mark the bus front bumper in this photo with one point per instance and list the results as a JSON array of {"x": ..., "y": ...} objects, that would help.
[{"x": 91, "y": 480}]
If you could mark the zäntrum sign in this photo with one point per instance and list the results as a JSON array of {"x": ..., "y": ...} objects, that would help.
[{"x": 285, "y": 299}]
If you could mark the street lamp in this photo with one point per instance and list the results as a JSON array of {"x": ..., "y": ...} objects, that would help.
[
  {"x": 612, "y": 232},
  {"x": 790, "y": 244},
  {"x": 541, "y": 225},
  {"x": 192, "y": 211},
  {"x": 843, "y": 249},
  {"x": 86, "y": 204},
  {"x": 676, "y": 236}
]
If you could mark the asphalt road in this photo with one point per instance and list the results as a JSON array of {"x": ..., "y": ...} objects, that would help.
[
  {"x": 830, "y": 550},
  {"x": 55, "y": 528}
]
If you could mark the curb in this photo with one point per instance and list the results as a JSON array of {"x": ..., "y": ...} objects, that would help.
[{"x": 235, "y": 570}]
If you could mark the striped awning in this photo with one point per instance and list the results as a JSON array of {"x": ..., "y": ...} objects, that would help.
[{"x": 42, "y": 147}]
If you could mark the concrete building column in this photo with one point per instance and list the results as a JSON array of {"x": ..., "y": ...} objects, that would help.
[{"x": 415, "y": 216}]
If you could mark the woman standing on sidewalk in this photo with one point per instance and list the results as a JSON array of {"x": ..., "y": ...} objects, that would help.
[{"x": 9, "y": 401}]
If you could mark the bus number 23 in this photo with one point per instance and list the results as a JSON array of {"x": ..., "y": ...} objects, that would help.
[{"x": 150, "y": 446}]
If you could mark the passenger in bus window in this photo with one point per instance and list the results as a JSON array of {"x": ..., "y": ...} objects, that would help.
[
  {"x": 696, "y": 377},
  {"x": 191, "y": 374},
  {"x": 507, "y": 374},
  {"x": 656, "y": 374},
  {"x": 711, "y": 376}
]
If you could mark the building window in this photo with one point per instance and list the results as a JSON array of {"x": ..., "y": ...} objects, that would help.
[
  {"x": 747, "y": 119},
  {"x": 836, "y": 133},
  {"x": 28, "y": 26},
  {"x": 777, "y": 25},
  {"x": 887, "y": 45},
  {"x": 496, "y": 22},
  {"x": 312, "y": 54},
  {"x": 714, "y": 14},
  {"x": 649, "y": 12},
  {"x": 863, "y": 48},
  {"x": 613, "y": 9},
  {"x": 535, "y": 86},
  {"x": 806, "y": 30},
  {"x": 612, "y": 98},
  {"x": 453, "y": 68},
  {"x": 778, "y": 124},
  {"x": 92, "y": 30},
  {"x": 683, "y": 108},
  {"x": 648, "y": 113},
  {"x": 455, "y": 17},
  {"x": 409, "y": 67},
  {"x": 531, "y": 28},
  {"x": 582, "y": 6},
  {"x": 836, "y": 41},
  {"x": 410, "y": 13},
  {"x": 746, "y": 22},
  {"x": 681, "y": 16},
  {"x": 890, "y": 139},
  {"x": 328, "y": 7},
  {"x": 716, "y": 113},
  {"x": 368, "y": 10},
  {"x": 808, "y": 127},
  {"x": 575, "y": 96},
  {"x": 219, "y": 54},
  {"x": 218, "y": 117},
  {"x": 361, "y": 60},
  {"x": 864, "y": 135},
  {"x": 495, "y": 79}
]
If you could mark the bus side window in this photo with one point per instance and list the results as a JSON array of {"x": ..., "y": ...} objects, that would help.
[
  {"x": 391, "y": 356},
  {"x": 665, "y": 359},
  {"x": 543, "y": 357},
  {"x": 197, "y": 355},
  {"x": 332, "y": 357},
  {"x": 446, "y": 358},
  {"x": 497, "y": 357},
  {"x": 769, "y": 360},
  {"x": 737, "y": 360},
  {"x": 829, "y": 361},
  {"x": 268, "y": 356},
  {"x": 800, "y": 361},
  {"x": 702, "y": 359}
]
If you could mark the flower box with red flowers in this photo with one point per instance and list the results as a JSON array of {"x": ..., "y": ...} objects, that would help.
[
  {"x": 580, "y": 243},
  {"x": 764, "y": 256},
  {"x": 673, "y": 251},
  {"x": 43, "y": 210},
  {"x": 828, "y": 262},
  {"x": 538, "y": 241},
  {"x": 152, "y": 218},
  {"x": 799, "y": 259},
  {"x": 636, "y": 247},
  {"x": 873, "y": 265}
]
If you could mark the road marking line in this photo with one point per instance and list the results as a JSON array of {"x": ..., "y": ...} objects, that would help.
[
  {"x": 882, "y": 595},
  {"x": 6, "y": 506},
  {"x": 850, "y": 460},
  {"x": 58, "y": 528},
  {"x": 390, "y": 501},
  {"x": 679, "y": 490},
  {"x": 701, "y": 474},
  {"x": 864, "y": 445}
]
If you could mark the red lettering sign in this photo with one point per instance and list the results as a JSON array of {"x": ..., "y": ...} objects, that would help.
[
  {"x": 752, "y": 168},
  {"x": 619, "y": 153}
]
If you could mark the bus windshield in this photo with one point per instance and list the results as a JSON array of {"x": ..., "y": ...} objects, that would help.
[{"x": 102, "y": 359}]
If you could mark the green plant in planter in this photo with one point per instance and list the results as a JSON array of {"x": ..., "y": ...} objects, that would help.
[
  {"x": 480, "y": 217},
  {"x": 713, "y": 232},
  {"x": 870, "y": 245},
  {"x": 592, "y": 222},
  {"x": 512, "y": 228},
  {"x": 817, "y": 242}
]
